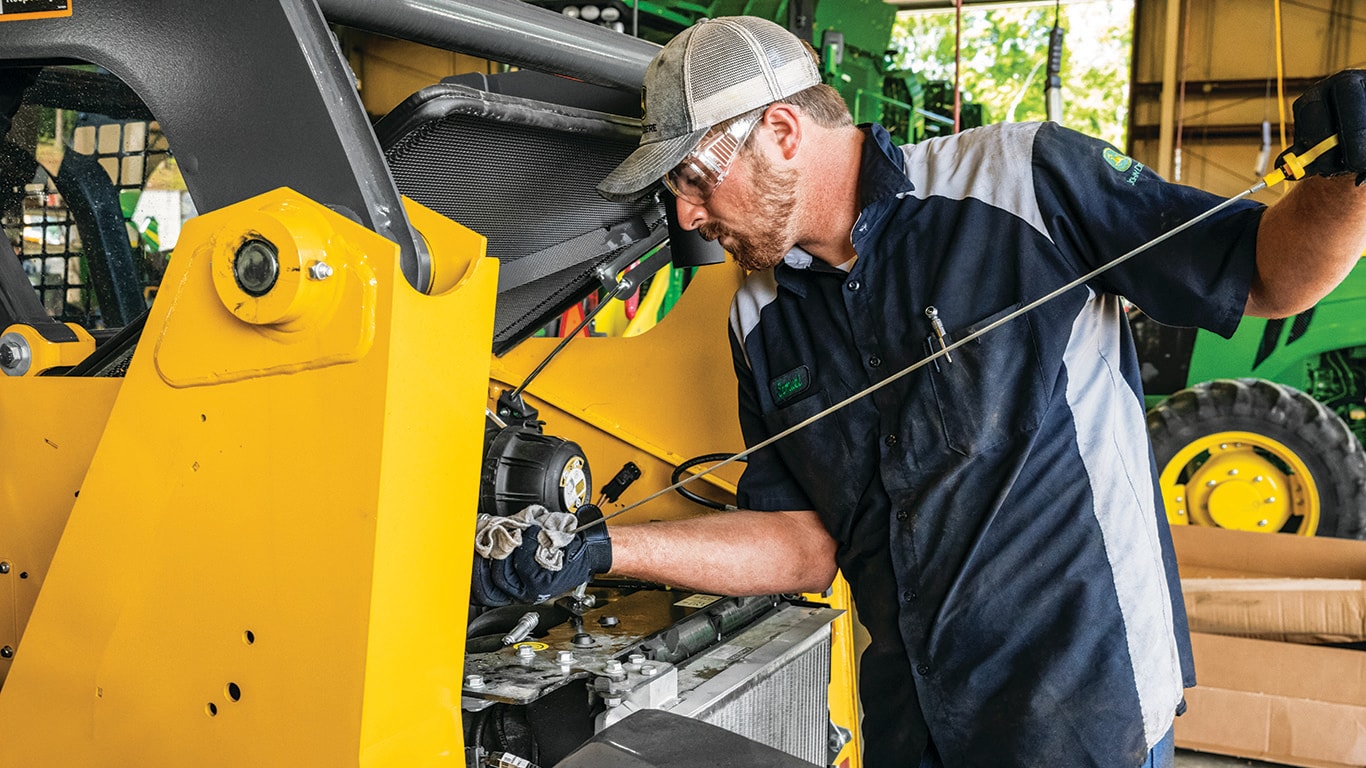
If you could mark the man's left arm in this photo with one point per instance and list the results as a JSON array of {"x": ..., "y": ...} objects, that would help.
[
  {"x": 1306, "y": 245},
  {"x": 1311, "y": 239}
]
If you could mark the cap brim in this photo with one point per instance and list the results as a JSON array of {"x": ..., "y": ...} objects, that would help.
[{"x": 647, "y": 165}]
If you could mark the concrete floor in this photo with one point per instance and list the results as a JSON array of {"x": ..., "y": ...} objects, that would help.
[{"x": 1187, "y": 759}]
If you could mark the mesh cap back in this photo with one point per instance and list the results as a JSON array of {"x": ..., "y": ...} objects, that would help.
[{"x": 711, "y": 72}]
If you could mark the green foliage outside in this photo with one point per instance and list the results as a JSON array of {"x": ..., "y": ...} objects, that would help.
[{"x": 1005, "y": 53}]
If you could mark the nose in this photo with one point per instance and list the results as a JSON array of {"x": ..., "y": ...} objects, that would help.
[{"x": 690, "y": 215}]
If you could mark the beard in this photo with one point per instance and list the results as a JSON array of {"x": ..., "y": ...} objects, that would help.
[{"x": 772, "y": 195}]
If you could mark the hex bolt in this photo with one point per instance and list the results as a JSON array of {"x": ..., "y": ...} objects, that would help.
[
  {"x": 1223, "y": 446},
  {"x": 256, "y": 267},
  {"x": 319, "y": 270},
  {"x": 1258, "y": 479},
  {"x": 608, "y": 621},
  {"x": 9, "y": 353},
  {"x": 649, "y": 670},
  {"x": 6, "y": 653},
  {"x": 636, "y": 659},
  {"x": 1211, "y": 484},
  {"x": 1271, "y": 500},
  {"x": 1262, "y": 523},
  {"x": 1233, "y": 472},
  {"x": 474, "y": 681},
  {"x": 613, "y": 667},
  {"x": 583, "y": 640},
  {"x": 526, "y": 652},
  {"x": 565, "y": 658},
  {"x": 15, "y": 355}
]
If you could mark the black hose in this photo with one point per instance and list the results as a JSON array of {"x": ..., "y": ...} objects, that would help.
[{"x": 689, "y": 495}]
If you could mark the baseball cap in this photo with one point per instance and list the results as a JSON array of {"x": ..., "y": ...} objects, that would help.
[{"x": 712, "y": 71}]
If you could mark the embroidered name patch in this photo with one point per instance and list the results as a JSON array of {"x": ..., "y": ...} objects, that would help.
[{"x": 787, "y": 386}]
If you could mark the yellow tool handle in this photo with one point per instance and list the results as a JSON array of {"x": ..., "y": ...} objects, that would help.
[{"x": 1292, "y": 166}]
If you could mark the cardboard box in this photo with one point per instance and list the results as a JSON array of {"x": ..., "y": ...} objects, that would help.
[
  {"x": 1273, "y": 586},
  {"x": 1281, "y": 702}
]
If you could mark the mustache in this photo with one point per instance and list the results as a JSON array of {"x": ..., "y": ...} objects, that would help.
[{"x": 711, "y": 231}]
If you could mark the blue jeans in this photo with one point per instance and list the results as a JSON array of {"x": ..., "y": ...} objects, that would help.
[{"x": 1162, "y": 755}]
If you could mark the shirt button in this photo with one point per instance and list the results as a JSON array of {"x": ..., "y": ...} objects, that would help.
[
  {"x": 890, "y": 440},
  {"x": 853, "y": 285},
  {"x": 901, "y": 514},
  {"x": 923, "y": 669},
  {"x": 909, "y": 595},
  {"x": 874, "y": 361}
]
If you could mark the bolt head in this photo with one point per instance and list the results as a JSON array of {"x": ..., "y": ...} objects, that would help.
[
  {"x": 613, "y": 667},
  {"x": 526, "y": 651},
  {"x": 319, "y": 270},
  {"x": 649, "y": 670},
  {"x": 474, "y": 681},
  {"x": 565, "y": 657},
  {"x": 1258, "y": 479},
  {"x": 1233, "y": 472},
  {"x": 4, "y": 567},
  {"x": 1211, "y": 484},
  {"x": 1263, "y": 523},
  {"x": 1270, "y": 500},
  {"x": 1181, "y": 512},
  {"x": 6, "y": 653},
  {"x": 636, "y": 658}
]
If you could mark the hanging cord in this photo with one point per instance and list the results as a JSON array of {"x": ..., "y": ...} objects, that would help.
[
  {"x": 957, "y": 66},
  {"x": 1182, "y": 66},
  {"x": 1280, "y": 72}
]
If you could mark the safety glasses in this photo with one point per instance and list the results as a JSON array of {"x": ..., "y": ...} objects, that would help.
[{"x": 701, "y": 172}]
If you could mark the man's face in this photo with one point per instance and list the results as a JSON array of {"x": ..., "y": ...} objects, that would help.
[{"x": 752, "y": 214}]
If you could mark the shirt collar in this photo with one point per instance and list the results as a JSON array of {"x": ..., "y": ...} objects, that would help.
[{"x": 882, "y": 172}]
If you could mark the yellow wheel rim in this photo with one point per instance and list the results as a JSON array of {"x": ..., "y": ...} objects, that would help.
[{"x": 1243, "y": 481}]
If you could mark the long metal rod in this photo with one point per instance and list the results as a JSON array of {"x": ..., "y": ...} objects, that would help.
[
  {"x": 506, "y": 31},
  {"x": 1259, "y": 186}
]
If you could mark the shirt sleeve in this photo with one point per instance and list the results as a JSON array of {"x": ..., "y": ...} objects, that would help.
[
  {"x": 766, "y": 484},
  {"x": 1098, "y": 204}
]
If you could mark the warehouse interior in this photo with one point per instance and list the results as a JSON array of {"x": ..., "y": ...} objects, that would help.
[{"x": 301, "y": 287}]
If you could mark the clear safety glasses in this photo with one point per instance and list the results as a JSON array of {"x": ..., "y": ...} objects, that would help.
[{"x": 702, "y": 171}]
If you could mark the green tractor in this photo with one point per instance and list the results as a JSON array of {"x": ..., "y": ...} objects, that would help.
[
  {"x": 852, "y": 36},
  {"x": 1263, "y": 432}
]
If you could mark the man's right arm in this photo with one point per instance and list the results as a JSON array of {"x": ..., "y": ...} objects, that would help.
[{"x": 730, "y": 553}]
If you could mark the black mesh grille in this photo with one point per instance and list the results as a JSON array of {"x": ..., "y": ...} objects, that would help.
[{"x": 523, "y": 175}]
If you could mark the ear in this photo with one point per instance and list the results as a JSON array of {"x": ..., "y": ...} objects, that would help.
[{"x": 785, "y": 121}]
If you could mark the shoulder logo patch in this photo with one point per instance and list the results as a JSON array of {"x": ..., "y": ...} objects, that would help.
[
  {"x": 787, "y": 386},
  {"x": 1117, "y": 161}
]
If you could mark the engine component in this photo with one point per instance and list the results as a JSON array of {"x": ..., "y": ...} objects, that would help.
[
  {"x": 524, "y": 466},
  {"x": 758, "y": 666}
]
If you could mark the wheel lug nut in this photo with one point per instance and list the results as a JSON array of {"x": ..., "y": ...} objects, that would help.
[
  {"x": 1233, "y": 471},
  {"x": 1261, "y": 523},
  {"x": 1211, "y": 484}
]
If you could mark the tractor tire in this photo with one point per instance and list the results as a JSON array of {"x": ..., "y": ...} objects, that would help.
[{"x": 1253, "y": 455}]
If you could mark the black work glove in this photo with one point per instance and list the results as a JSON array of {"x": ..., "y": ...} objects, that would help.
[
  {"x": 1336, "y": 105},
  {"x": 519, "y": 578}
]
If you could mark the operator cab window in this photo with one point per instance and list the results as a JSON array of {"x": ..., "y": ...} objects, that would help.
[{"x": 92, "y": 201}]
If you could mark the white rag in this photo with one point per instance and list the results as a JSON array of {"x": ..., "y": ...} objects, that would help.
[{"x": 495, "y": 537}]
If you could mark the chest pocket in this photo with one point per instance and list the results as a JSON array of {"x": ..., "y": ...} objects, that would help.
[{"x": 993, "y": 390}]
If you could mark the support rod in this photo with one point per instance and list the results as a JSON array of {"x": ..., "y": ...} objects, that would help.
[{"x": 507, "y": 31}]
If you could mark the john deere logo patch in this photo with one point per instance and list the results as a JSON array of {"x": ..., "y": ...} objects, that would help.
[
  {"x": 1117, "y": 161},
  {"x": 787, "y": 386}
]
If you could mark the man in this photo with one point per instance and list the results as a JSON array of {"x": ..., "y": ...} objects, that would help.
[{"x": 996, "y": 512}]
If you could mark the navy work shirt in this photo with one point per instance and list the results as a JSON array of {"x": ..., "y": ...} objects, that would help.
[{"x": 998, "y": 516}]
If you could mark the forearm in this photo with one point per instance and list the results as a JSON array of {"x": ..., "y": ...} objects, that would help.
[
  {"x": 1306, "y": 245},
  {"x": 733, "y": 553}
]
